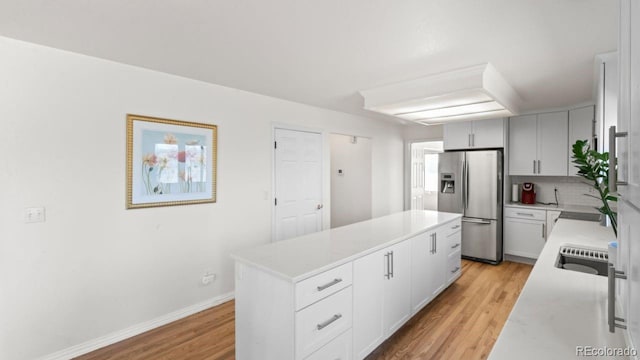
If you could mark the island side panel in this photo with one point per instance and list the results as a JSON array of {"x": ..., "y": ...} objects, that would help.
[{"x": 264, "y": 315}]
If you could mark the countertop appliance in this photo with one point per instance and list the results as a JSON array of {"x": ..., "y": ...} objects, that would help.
[
  {"x": 470, "y": 183},
  {"x": 528, "y": 193}
]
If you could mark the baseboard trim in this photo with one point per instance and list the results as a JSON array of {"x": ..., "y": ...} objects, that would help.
[
  {"x": 519, "y": 259},
  {"x": 134, "y": 330}
]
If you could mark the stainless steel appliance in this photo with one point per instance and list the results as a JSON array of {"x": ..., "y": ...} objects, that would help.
[{"x": 471, "y": 185}]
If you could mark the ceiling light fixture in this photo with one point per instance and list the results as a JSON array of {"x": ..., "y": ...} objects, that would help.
[{"x": 477, "y": 92}]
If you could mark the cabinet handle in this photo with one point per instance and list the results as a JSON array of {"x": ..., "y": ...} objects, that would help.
[
  {"x": 455, "y": 227},
  {"x": 469, "y": 140},
  {"x": 328, "y": 322},
  {"x": 455, "y": 270},
  {"x": 391, "y": 274},
  {"x": 435, "y": 243},
  {"x": 613, "y": 159},
  {"x": 455, "y": 246},
  {"x": 330, "y": 284},
  {"x": 614, "y": 274},
  {"x": 534, "y": 166},
  {"x": 539, "y": 167},
  {"x": 524, "y": 214},
  {"x": 473, "y": 140},
  {"x": 543, "y": 232},
  {"x": 388, "y": 274}
]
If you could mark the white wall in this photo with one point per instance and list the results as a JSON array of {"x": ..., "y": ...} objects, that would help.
[
  {"x": 94, "y": 268},
  {"x": 413, "y": 132},
  {"x": 350, "y": 190}
]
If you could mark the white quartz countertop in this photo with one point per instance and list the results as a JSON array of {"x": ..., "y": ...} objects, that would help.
[
  {"x": 302, "y": 257},
  {"x": 558, "y": 309},
  {"x": 560, "y": 207}
]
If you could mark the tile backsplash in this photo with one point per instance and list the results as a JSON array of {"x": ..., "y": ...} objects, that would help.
[{"x": 571, "y": 190}]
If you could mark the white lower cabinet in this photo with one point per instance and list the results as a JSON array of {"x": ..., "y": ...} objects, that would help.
[
  {"x": 368, "y": 316},
  {"x": 382, "y": 298},
  {"x": 524, "y": 232},
  {"x": 429, "y": 265},
  {"x": 397, "y": 288}
]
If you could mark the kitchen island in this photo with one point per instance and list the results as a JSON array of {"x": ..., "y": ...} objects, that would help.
[
  {"x": 560, "y": 310},
  {"x": 339, "y": 293}
]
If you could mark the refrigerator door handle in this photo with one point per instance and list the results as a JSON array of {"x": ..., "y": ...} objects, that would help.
[
  {"x": 462, "y": 170},
  {"x": 466, "y": 186},
  {"x": 477, "y": 221}
]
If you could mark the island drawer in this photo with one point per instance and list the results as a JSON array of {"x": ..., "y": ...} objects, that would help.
[
  {"x": 454, "y": 242},
  {"x": 339, "y": 349},
  {"x": 454, "y": 266},
  {"x": 452, "y": 227},
  {"x": 322, "y": 285},
  {"x": 321, "y": 322},
  {"x": 522, "y": 213}
]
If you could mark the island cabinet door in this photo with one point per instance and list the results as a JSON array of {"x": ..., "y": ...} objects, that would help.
[
  {"x": 397, "y": 291},
  {"x": 381, "y": 296},
  {"x": 421, "y": 254},
  {"x": 369, "y": 276},
  {"x": 429, "y": 252}
]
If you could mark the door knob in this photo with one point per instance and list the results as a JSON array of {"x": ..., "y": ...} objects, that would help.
[{"x": 320, "y": 206}]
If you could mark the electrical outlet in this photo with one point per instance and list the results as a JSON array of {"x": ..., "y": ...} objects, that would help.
[{"x": 208, "y": 278}]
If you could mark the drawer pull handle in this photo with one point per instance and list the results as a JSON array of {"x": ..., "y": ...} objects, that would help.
[
  {"x": 524, "y": 214},
  {"x": 455, "y": 246},
  {"x": 455, "y": 270},
  {"x": 329, "y": 322},
  {"x": 328, "y": 285},
  {"x": 455, "y": 227}
]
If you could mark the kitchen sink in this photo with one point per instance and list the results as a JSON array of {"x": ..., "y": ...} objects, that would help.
[
  {"x": 572, "y": 215},
  {"x": 590, "y": 261}
]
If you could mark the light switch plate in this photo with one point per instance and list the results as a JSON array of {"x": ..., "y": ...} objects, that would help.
[{"x": 34, "y": 215}]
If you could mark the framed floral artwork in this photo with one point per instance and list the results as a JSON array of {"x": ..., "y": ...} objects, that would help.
[{"x": 170, "y": 162}]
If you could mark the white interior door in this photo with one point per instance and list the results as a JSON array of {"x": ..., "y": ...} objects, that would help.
[{"x": 298, "y": 183}]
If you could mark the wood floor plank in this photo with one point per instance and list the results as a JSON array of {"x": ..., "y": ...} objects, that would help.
[{"x": 461, "y": 323}]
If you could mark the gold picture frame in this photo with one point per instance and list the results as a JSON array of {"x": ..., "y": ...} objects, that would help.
[{"x": 170, "y": 162}]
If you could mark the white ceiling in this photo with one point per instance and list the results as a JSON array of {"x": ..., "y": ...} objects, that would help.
[{"x": 322, "y": 52}]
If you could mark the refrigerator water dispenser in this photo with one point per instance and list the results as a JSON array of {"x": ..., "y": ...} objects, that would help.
[{"x": 447, "y": 184}]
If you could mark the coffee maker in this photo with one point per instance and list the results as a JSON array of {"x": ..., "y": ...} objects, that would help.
[{"x": 528, "y": 193}]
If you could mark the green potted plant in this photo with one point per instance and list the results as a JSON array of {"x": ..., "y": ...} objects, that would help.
[{"x": 594, "y": 166}]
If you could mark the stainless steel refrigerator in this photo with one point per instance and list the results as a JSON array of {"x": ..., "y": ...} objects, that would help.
[{"x": 470, "y": 183}]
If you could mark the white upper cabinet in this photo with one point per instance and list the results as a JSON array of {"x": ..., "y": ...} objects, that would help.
[
  {"x": 478, "y": 134},
  {"x": 538, "y": 144},
  {"x": 553, "y": 150},
  {"x": 457, "y": 135},
  {"x": 488, "y": 133},
  {"x": 522, "y": 144},
  {"x": 581, "y": 124}
]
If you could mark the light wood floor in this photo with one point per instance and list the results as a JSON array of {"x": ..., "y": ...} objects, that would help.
[{"x": 461, "y": 323}]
